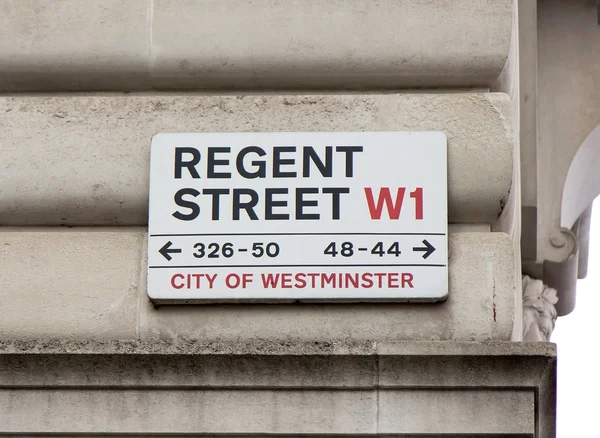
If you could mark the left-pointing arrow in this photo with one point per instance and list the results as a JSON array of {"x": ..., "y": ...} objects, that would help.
[{"x": 166, "y": 252}]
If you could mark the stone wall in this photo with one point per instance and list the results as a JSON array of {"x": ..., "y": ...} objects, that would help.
[
  {"x": 214, "y": 44},
  {"x": 83, "y": 352},
  {"x": 277, "y": 389}
]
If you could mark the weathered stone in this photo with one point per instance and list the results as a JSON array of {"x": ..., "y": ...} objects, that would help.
[
  {"x": 84, "y": 160},
  {"x": 431, "y": 411},
  {"x": 181, "y": 411},
  {"x": 73, "y": 45},
  {"x": 70, "y": 284},
  {"x": 192, "y": 44},
  {"x": 90, "y": 284},
  {"x": 266, "y": 387},
  {"x": 480, "y": 306}
]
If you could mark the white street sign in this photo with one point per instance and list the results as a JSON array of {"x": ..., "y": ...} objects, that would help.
[{"x": 312, "y": 216}]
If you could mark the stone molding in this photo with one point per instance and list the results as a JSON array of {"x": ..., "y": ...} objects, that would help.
[
  {"x": 320, "y": 388},
  {"x": 47, "y": 45},
  {"x": 90, "y": 284},
  {"x": 85, "y": 159}
]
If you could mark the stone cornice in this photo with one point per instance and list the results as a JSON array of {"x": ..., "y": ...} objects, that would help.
[{"x": 298, "y": 388}]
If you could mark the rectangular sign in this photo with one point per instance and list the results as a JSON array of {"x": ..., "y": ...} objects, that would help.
[{"x": 312, "y": 216}]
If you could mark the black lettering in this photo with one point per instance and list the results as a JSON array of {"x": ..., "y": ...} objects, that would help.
[
  {"x": 189, "y": 165},
  {"x": 278, "y": 162},
  {"x": 309, "y": 154},
  {"x": 348, "y": 151},
  {"x": 261, "y": 171},
  {"x": 186, "y": 204},
  {"x": 212, "y": 162},
  {"x": 215, "y": 193},
  {"x": 301, "y": 203},
  {"x": 270, "y": 203},
  {"x": 335, "y": 199},
  {"x": 248, "y": 206}
]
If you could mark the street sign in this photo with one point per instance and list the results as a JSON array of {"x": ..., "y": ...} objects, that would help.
[{"x": 311, "y": 216}]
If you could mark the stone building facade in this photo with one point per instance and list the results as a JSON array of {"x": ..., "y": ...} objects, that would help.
[{"x": 86, "y": 84}]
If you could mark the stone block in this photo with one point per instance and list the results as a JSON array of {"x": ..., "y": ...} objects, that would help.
[
  {"x": 84, "y": 160},
  {"x": 91, "y": 285},
  {"x": 180, "y": 411},
  {"x": 480, "y": 306},
  {"x": 332, "y": 44},
  {"x": 47, "y": 45},
  {"x": 73, "y": 45},
  {"x": 211, "y": 371},
  {"x": 69, "y": 284},
  {"x": 402, "y": 371},
  {"x": 168, "y": 388},
  {"x": 475, "y": 413}
]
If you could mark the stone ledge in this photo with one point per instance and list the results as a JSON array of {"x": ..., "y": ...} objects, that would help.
[
  {"x": 85, "y": 160},
  {"x": 90, "y": 284},
  {"x": 277, "y": 348},
  {"x": 201, "y": 44},
  {"x": 330, "y": 388}
]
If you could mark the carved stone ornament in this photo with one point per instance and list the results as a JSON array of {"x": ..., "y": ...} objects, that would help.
[{"x": 539, "y": 313}]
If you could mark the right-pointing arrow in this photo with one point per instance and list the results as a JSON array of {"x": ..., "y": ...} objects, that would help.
[{"x": 428, "y": 249}]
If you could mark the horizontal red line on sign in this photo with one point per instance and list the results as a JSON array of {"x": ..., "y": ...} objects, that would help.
[
  {"x": 302, "y": 234},
  {"x": 293, "y": 266}
]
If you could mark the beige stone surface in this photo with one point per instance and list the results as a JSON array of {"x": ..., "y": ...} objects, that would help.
[
  {"x": 509, "y": 82},
  {"x": 269, "y": 387},
  {"x": 216, "y": 370},
  {"x": 90, "y": 285},
  {"x": 75, "y": 159},
  {"x": 480, "y": 306},
  {"x": 191, "y": 44},
  {"x": 71, "y": 285},
  {"x": 334, "y": 44},
  {"x": 453, "y": 412},
  {"x": 173, "y": 411},
  {"x": 73, "y": 44}
]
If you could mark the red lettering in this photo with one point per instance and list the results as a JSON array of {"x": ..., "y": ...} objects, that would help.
[
  {"x": 379, "y": 276},
  {"x": 393, "y": 280},
  {"x": 327, "y": 279},
  {"x": 300, "y": 281},
  {"x": 197, "y": 277},
  {"x": 367, "y": 283},
  {"x": 352, "y": 279},
  {"x": 210, "y": 280},
  {"x": 246, "y": 279},
  {"x": 232, "y": 284},
  {"x": 270, "y": 280},
  {"x": 323, "y": 280},
  {"x": 407, "y": 278},
  {"x": 417, "y": 195},
  {"x": 385, "y": 197},
  {"x": 286, "y": 281},
  {"x": 180, "y": 286},
  {"x": 313, "y": 278}
]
